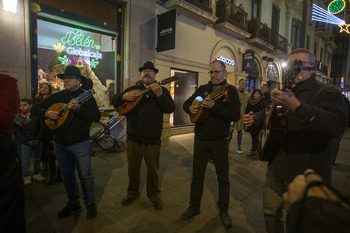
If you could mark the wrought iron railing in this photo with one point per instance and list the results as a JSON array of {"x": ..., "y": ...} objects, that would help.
[
  {"x": 202, "y": 4},
  {"x": 279, "y": 42},
  {"x": 258, "y": 29},
  {"x": 228, "y": 12}
]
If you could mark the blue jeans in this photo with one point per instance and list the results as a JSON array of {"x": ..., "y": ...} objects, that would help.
[
  {"x": 230, "y": 136},
  {"x": 26, "y": 154},
  {"x": 239, "y": 139},
  {"x": 76, "y": 156}
]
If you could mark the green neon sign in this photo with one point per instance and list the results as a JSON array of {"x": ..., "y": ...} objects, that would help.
[{"x": 77, "y": 38}]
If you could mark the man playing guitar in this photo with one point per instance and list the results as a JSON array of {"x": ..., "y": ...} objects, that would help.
[
  {"x": 144, "y": 129},
  {"x": 211, "y": 138},
  {"x": 315, "y": 115},
  {"x": 72, "y": 144}
]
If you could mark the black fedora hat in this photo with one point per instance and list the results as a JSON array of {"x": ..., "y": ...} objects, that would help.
[
  {"x": 148, "y": 65},
  {"x": 72, "y": 71}
]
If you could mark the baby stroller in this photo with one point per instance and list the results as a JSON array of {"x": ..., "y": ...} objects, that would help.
[{"x": 101, "y": 135}]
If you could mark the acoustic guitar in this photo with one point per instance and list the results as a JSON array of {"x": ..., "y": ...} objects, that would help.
[
  {"x": 274, "y": 128},
  {"x": 65, "y": 114},
  {"x": 130, "y": 108},
  {"x": 201, "y": 116}
]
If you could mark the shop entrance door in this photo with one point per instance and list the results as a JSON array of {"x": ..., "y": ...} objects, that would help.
[{"x": 184, "y": 88}]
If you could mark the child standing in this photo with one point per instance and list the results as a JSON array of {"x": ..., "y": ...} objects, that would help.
[{"x": 28, "y": 136}]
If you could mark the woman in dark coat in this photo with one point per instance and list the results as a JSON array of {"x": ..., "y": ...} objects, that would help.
[
  {"x": 256, "y": 104},
  {"x": 47, "y": 150}
]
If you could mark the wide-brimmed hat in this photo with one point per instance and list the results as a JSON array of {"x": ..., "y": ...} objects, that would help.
[
  {"x": 72, "y": 71},
  {"x": 148, "y": 65}
]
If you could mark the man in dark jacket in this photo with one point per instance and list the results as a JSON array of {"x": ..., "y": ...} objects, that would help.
[
  {"x": 316, "y": 115},
  {"x": 144, "y": 129},
  {"x": 72, "y": 143},
  {"x": 221, "y": 105}
]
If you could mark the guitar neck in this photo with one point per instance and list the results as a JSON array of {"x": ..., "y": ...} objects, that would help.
[
  {"x": 63, "y": 109},
  {"x": 143, "y": 91},
  {"x": 79, "y": 99},
  {"x": 163, "y": 82}
]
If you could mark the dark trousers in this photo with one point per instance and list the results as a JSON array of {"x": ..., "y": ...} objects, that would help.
[
  {"x": 136, "y": 152},
  {"x": 255, "y": 141},
  {"x": 11, "y": 193},
  {"x": 218, "y": 151}
]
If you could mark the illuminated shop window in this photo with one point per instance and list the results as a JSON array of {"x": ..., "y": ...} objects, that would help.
[{"x": 94, "y": 53}]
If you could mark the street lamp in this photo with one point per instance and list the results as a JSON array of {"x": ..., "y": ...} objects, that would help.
[{"x": 10, "y": 5}]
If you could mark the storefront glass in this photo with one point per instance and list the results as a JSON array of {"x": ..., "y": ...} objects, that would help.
[{"x": 94, "y": 53}]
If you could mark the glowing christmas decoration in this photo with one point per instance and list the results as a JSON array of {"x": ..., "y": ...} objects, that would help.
[
  {"x": 344, "y": 28},
  {"x": 35, "y": 8},
  {"x": 94, "y": 63},
  {"x": 79, "y": 63},
  {"x": 336, "y": 6},
  {"x": 320, "y": 14},
  {"x": 58, "y": 47},
  {"x": 63, "y": 60}
]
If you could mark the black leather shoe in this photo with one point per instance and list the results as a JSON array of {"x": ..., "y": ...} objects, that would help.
[
  {"x": 127, "y": 200},
  {"x": 91, "y": 211},
  {"x": 158, "y": 204},
  {"x": 225, "y": 219},
  {"x": 189, "y": 213},
  {"x": 69, "y": 209}
]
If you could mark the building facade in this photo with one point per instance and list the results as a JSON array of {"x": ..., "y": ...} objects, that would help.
[{"x": 111, "y": 39}]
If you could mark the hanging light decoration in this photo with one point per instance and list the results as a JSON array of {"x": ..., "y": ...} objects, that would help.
[
  {"x": 10, "y": 5},
  {"x": 336, "y": 6},
  {"x": 321, "y": 15}
]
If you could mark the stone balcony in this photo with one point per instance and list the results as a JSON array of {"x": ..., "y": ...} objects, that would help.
[{"x": 199, "y": 10}]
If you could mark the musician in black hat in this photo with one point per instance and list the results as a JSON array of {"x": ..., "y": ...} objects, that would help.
[
  {"x": 144, "y": 129},
  {"x": 316, "y": 115},
  {"x": 72, "y": 139}
]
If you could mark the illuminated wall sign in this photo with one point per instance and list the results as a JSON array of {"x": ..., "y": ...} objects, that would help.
[
  {"x": 77, "y": 39},
  {"x": 226, "y": 60},
  {"x": 84, "y": 53},
  {"x": 73, "y": 43}
]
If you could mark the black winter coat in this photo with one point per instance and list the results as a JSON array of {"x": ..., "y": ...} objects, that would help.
[
  {"x": 79, "y": 128},
  {"x": 29, "y": 131},
  {"x": 311, "y": 129},
  {"x": 146, "y": 125},
  {"x": 226, "y": 109},
  {"x": 259, "y": 106}
]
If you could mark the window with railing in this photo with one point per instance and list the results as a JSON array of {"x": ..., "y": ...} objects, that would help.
[
  {"x": 279, "y": 42},
  {"x": 259, "y": 29},
  {"x": 226, "y": 11},
  {"x": 202, "y": 4}
]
